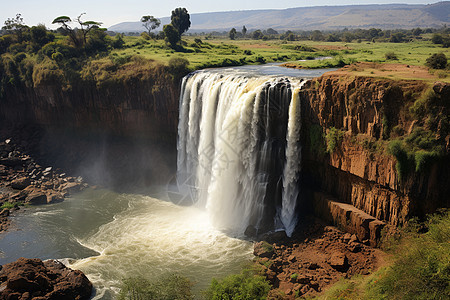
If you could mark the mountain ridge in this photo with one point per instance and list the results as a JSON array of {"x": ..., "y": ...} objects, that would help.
[{"x": 385, "y": 16}]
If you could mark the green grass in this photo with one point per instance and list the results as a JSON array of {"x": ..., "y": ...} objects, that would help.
[
  {"x": 8, "y": 205},
  {"x": 412, "y": 53},
  {"x": 248, "y": 285},
  {"x": 167, "y": 287}
]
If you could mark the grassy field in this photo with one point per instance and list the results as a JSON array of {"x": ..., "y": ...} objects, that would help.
[{"x": 218, "y": 52}]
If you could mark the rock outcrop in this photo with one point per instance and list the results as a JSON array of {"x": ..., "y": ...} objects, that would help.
[
  {"x": 41, "y": 280},
  {"x": 356, "y": 171}
]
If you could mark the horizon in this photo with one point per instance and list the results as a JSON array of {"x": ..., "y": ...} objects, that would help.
[{"x": 114, "y": 12}]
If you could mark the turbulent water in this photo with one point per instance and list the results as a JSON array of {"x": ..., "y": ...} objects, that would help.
[
  {"x": 112, "y": 236},
  {"x": 239, "y": 149}
]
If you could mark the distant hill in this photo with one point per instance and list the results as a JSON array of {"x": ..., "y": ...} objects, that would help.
[{"x": 384, "y": 16}]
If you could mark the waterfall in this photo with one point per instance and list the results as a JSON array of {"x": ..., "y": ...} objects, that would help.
[{"x": 239, "y": 149}]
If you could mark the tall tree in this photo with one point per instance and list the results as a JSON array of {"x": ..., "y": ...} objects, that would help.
[
  {"x": 244, "y": 30},
  {"x": 181, "y": 20},
  {"x": 232, "y": 33},
  {"x": 150, "y": 23},
  {"x": 172, "y": 36}
]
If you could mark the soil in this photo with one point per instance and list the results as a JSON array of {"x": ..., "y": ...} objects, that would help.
[{"x": 314, "y": 259}]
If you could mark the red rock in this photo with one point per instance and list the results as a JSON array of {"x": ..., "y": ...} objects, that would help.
[
  {"x": 36, "y": 197},
  {"x": 44, "y": 280},
  {"x": 71, "y": 187},
  {"x": 263, "y": 249},
  {"x": 338, "y": 261},
  {"x": 20, "y": 183}
]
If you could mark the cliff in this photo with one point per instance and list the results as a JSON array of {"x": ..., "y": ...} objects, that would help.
[
  {"x": 367, "y": 115},
  {"x": 112, "y": 128}
]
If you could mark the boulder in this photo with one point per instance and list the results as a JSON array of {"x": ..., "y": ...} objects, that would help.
[
  {"x": 33, "y": 278},
  {"x": 263, "y": 249},
  {"x": 36, "y": 197},
  {"x": 53, "y": 197},
  {"x": 20, "y": 183},
  {"x": 338, "y": 261},
  {"x": 71, "y": 187}
]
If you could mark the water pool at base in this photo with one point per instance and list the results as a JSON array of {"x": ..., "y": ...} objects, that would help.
[{"x": 112, "y": 236}]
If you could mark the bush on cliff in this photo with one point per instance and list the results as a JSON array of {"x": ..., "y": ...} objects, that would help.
[
  {"x": 248, "y": 285},
  {"x": 422, "y": 266},
  {"x": 165, "y": 288},
  {"x": 333, "y": 137}
]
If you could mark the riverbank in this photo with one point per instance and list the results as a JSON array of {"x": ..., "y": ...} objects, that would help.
[
  {"x": 23, "y": 181},
  {"x": 314, "y": 259}
]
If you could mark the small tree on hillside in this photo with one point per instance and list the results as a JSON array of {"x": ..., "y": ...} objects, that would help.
[
  {"x": 181, "y": 20},
  {"x": 232, "y": 33},
  {"x": 150, "y": 23},
  {"x": 78, "y": 36},
  {"x": 244, "y": 30}
]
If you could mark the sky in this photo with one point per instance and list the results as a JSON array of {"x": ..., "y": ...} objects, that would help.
[{"x": 111, "y": 12}]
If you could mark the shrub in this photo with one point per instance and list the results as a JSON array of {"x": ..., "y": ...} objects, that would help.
[
  {"x": 422, "y": 266},
  {"x": 437, "y": 61},
  {"x": 390, "y": 56},
  {"x": 245, "y": 286},
  {"x": 396, "y": 149},
  {"x": 333, "y": 137},
  {"x": 179, "y": 67},
  {"x": 8, "y": 205},
  {"x": 166, "y": 288},
  {"x": 316, "y": 139}
]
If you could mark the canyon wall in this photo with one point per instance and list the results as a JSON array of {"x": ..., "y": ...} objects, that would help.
[
  {"x": 115, "y": 133},
  {"x": 359, "y": 171}
]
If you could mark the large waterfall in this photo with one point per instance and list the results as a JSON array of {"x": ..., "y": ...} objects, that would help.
[{"x": 239, "y": 149}]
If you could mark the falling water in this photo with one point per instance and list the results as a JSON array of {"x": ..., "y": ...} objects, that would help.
[{"x": 238, "y": 149}]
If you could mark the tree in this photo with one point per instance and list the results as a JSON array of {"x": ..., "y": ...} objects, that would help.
[
  {"x": 181, "y": 20},
  {"x": 437, "y": 39},
  {"x": 257, "y": 34},
  {"x": 15, "y": 26},
  {"x": 244, "y": 30},
  {"x": 150, "y": 23},
  {"x": 271, "y": 31},
  {"x": 232, "y": 33},
  {"x": 172, "y": 36},
  {"x": 437, "y": 61},
  {"x": 78, "y": 36}
]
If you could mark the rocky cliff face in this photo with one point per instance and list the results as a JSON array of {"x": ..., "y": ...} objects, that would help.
[
  {"x": 359, "y": 171},
  {"x": 121, "y": 133}
]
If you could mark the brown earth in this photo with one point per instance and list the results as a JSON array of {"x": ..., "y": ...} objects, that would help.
[{"x": 314, "y": 260}]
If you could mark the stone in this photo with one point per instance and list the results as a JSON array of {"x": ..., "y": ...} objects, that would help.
[
  {"x": 38, "y": 280},
  {"x": 71, "y": 187},
  {"x": 20, "y": 183},
  {"x": 36, "y": 197},
  {"x": 53, "y": 197},
  {"x": 338, "y": 261},
  {"x": 292, "y": 258},
  {"x": 263, "y": 249}
]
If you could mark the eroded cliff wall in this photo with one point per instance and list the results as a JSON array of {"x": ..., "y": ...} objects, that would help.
[{"x": 359, "y": 170}]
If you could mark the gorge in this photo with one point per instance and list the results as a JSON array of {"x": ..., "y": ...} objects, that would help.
[{"x": 251, "y": 150}]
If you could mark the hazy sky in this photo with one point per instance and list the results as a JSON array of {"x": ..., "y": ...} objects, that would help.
[{"x": 115, "y": 11}]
